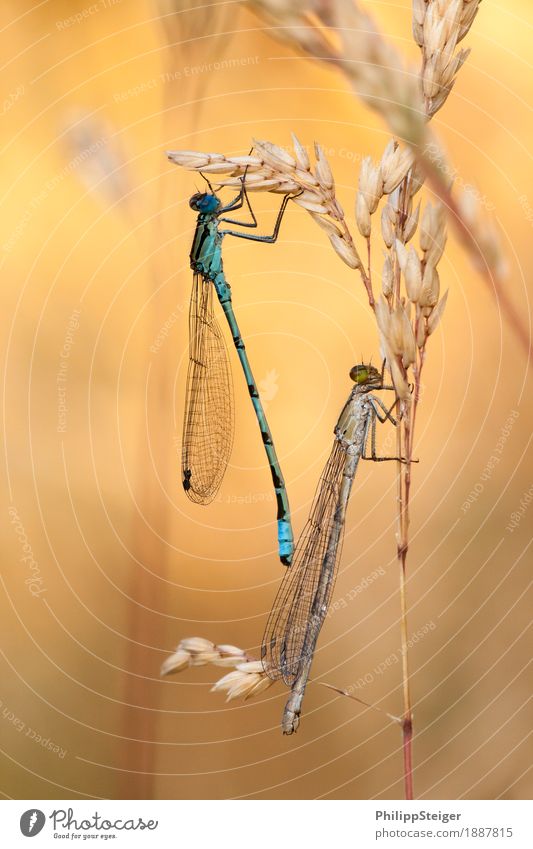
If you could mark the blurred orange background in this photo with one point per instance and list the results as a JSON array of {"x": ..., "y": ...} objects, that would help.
[{"x": 107, "y": 565}]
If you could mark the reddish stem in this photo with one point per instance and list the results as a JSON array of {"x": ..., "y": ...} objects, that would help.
[{"x": 407, "y": 730}]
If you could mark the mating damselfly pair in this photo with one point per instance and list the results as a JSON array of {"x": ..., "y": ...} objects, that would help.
[{"x": 302, "y": 602}]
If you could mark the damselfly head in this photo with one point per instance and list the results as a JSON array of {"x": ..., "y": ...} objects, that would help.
[
  {"x": 366, "y": 375},
  {"x": 204, "y": 202}
]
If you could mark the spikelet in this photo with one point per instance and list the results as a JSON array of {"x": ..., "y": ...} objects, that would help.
[
  {"x": 438, "y": 27},
  {"x": 392, "y": 329},
  {"x": 395, "y": 163},
  {"x": 436, "y": 314},
  {"x": 413, "y": 276},
  {"x": 195, "y": 651},
  {"x": 387, "y": 277},
  {"x": 388, "y": 224},
  {"x": 247, "y": 678}
]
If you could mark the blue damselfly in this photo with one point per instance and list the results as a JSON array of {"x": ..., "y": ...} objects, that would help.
[{"x": 209, "y": 421}]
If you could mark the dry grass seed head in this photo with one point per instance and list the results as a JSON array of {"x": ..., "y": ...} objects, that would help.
[
  {"x": 438, "y": 27},
  {"x": 271, "y": 168},
  {"x": 197, "y": 651},
  {"x": 247, "y": 678}
]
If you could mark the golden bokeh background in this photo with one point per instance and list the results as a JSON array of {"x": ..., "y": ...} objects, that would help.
[{"x": 95, "y": 233}]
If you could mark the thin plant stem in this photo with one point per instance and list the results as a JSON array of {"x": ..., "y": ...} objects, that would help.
[
  {"x": 403, "y": 547},
  {"x": 348, "y": 695},
  {"x": 407, "y": 718},
  {"x": 367, "y": 276},
  {"x": 405, "y": 442}
]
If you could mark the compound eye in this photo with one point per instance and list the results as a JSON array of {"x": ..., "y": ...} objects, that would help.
[
  {"x": 195, "y": 201},
  {"x": 359, "y": 374}
]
